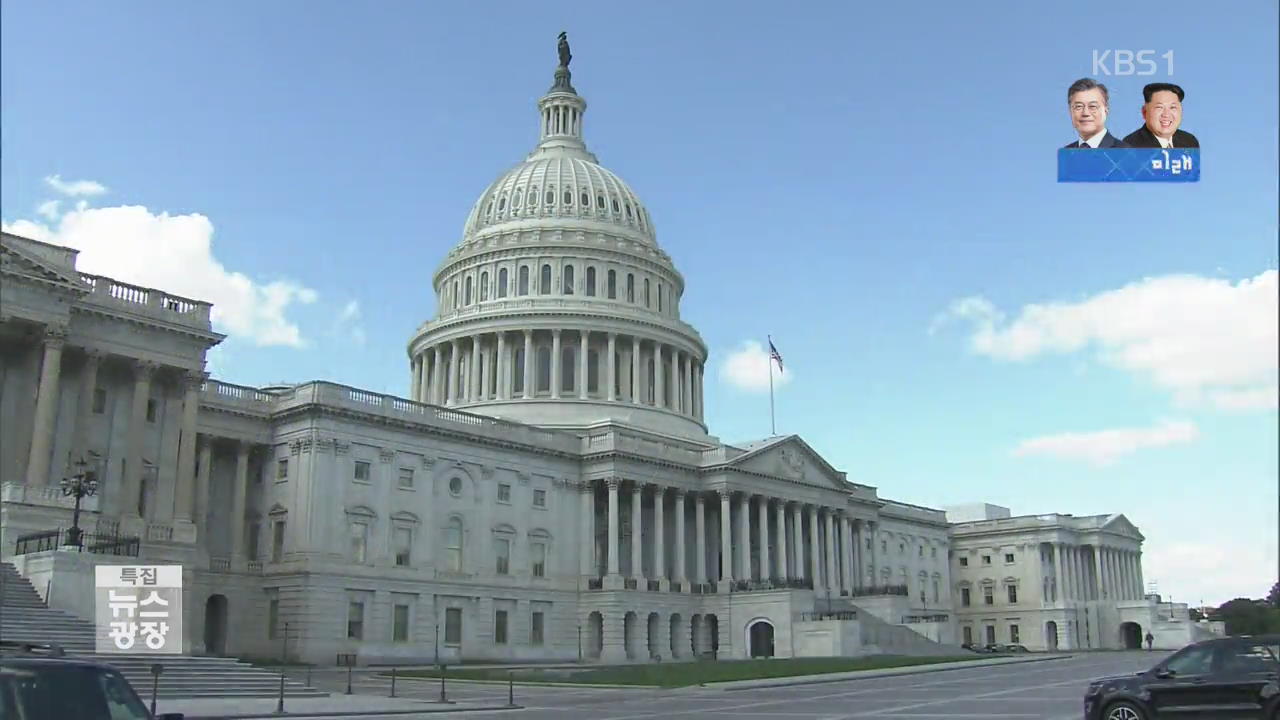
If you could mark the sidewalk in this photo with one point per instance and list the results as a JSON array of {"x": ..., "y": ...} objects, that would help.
[
  {"x": 867, "y": 674},
  {"x": 301, "y": 708}
]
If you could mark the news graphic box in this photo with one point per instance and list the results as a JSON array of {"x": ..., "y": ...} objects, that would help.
[
  {"x": 138, "y": 609},
  {"x": 1177, "y": 165}
]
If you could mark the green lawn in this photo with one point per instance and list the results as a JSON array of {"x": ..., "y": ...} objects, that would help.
[{"x": 683, "y": 674}]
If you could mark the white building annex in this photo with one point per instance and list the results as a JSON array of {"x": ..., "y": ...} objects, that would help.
[{"x": 549, "y": 491}]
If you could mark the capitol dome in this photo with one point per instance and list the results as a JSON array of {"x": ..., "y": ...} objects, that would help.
[{"x": 559, "y": 265}]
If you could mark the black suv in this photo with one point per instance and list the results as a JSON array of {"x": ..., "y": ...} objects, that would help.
[
  {"x": 1223, "y": 678},
  {"x": 38, "y": 683}
]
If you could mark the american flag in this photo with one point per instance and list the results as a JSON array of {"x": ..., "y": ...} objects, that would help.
[{"x": 774, "y": 355}]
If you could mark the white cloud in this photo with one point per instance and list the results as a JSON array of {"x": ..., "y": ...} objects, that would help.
[
  {"x": 49, "y": 209},
  {"x": 1103, "y": 447},
  {"x": 1190, "y": 571},
  {"x": 747, "y": 368},
  {"x": 1206, "y": 340},
  {"x": 174, "y": 253},
  {"x": 347, "y": 324},
  {"x": 75, "y": 188}
]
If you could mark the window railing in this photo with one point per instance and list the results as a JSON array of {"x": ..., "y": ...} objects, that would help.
[
  {"x": 629, "y": 584},
  {"x": 834, "y": 615},
  {"x": 881, "y": 590},
  {"x": 96, "y": 543},
  {"x": 654, "y": 585}
]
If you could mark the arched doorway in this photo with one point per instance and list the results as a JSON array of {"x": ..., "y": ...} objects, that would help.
[
  {"x": 677, "y": 628},
  {"x": 1131, "y": 636},
  {"x": 215, "y": 625},
  {"x": 695, "y": 636},
  {"x": 713, "y": 628},
  {"x": 1051, "y": 635},
  {"x": 654, "y": 634},
  {"x": 760, "y": 639},
  {"x": 629, "y": 632},
  {"x": 595, "y": 635}
]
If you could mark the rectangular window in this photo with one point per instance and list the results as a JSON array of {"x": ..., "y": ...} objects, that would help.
[
  {"x": 406, "y": 478},
  {"x": 504, "y": 492},
  {"x": 151, "y": 410},
  {"x": 540, "y": 498},
  {"x": 453, "y": 626},
  {"x": 535, "y": 628},
  {"x": 1013, "y": 594},
  {"x": 273, "y": 618},
  {"x": 538, "y": 559},
  {"x": 282, "y": 468},
  {"x": 964, "y": 597},
  {"x": 277, "y": 540},
  {"x": 362, "y": 471},
  {"x": 934, "y": 551},
  {"x": 935, "y": 591},
  {"x": 500, "y": 627},
  {"x": 1008, "y": 558},
  {"x": 1013, "y": 634},
  {"x": 502, "y": 548},
  {"x": 99, "y": 401},
  {"x": 988, "y": 595},
  {"x": 986, "y": 559},
  {"x": 355, "y": 620},
  {"x": 968, "y": 635},
  {"x": 991, "y": 634},
  {"x": 400, "y": 623},
  {"x": 359, "y": 542},
  {"x": 964, "y": 562},
  {"x": 404, "y": 546}
]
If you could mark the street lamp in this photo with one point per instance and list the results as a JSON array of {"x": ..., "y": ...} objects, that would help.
[{"x": 81, "y": 485}]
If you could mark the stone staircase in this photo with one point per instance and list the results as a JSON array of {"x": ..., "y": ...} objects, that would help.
[
  {"x": 24, "y": 618},
  {"x": 899, "y": 639}
]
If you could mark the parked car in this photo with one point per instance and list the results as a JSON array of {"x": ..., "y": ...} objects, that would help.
[
  {"x": 38, "y": 682},
  {"x": 1222, "y": 678}
]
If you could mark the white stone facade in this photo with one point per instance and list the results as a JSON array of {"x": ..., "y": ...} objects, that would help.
[{"x": 569, "y": 506}]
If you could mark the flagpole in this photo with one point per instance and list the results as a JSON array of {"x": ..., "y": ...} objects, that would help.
[{"x": 773, "y": 427}]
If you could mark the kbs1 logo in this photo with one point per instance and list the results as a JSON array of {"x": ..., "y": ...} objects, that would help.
[
  {"x": 138, "y": 609},
  {"x": 1126, "y": 62}
]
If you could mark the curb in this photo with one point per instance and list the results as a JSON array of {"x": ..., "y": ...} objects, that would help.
[
  {"x": 735, "y": 685},
  {"x": 528, "y": 683},
  {"x": 360, "y": 713}
]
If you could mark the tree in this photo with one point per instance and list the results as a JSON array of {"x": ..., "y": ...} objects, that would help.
[
  {"x": 1248, "y": 617},
  {"x": 1273, "y": 597}
]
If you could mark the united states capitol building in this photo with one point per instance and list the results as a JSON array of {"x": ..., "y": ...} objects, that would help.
[{"x": 550, "y": 489}]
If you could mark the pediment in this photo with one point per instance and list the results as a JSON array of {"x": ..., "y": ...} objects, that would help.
[
  {"x": 790, "y": 458},
  {"x": 16, "y": 261},
  {"x": 1121, "y": 525}
]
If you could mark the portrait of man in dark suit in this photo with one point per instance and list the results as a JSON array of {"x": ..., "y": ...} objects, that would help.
[
  {"x": 1088, "y": 103},
  {"x": 1161, "y": 116}
]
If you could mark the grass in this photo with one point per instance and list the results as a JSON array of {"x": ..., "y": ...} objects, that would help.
[{"x": 673, "y": 675}]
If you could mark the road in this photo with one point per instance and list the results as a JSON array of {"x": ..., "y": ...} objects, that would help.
[{"x": 1051, "y": 690}]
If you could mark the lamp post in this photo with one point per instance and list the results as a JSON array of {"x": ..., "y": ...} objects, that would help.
[{"x": 81, "y": 485}]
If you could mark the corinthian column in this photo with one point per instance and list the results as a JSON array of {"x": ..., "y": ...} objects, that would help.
[
  {"x": 132, "y": 486},
  {"x": 726, "y": 537},
  {"x": 185, "y": 489},
  {"x": 765, "y": 571},
  {"x": 815, "y": 547},
  {"x": 584, "y": 370},
  {"x": 528, "y": 364},
  {"x": 783, "y": 571},
  {"x": 84, "y": 405},
  {"x": 659, "y": 378},
  {"x": 612, "y": 485},
  {"x": 46, "y": 407},
  {"x": 556, "y": 375},
  {"x": 678, "y": 509},
  {"x": 637, "y": 536},
  {"x": 612, "y": 364},
  {"x": 504, "y": 373}
]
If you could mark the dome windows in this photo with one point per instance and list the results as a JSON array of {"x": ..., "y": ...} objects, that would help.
[
  {"x": 533, "y": 196},
  {"x": 523, "y": 281},
  {"x": 515, "y": 201},
  {"x": 613, "y": 284},
  {"x": 544, "y": 280},
  {"x": 590, "y": 289},
  {"x": 502, "y": 203},
  {"x": 631, "y": 288},
  {"x": 586, "y": 199},
  {"x": 568, "y": 197},
  {"x": 616, "y": 208},
  {"x": 550, "y": 199},
  {"x": 646, "y": 292},
  {"x": 600, "y": 202},
  {"x": 502, "y": 283},
  {"x": 628, "y": 205},
  {"x": 466, "y": 291},
  {"x": 567, "y": 279},
  {"x": 484, "y": 286}
]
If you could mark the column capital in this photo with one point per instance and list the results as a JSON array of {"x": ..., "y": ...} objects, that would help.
[
  {"x": 194, "y": 379},
  {"x": 528, "y": 332},
  {"x": 145, "y": 369},
  {"x": 613, "y": 482},
  {"x": 556, "y": 332},
  {"x": 638, "y": 486},
  {"x": 586, "y": 486},
  {"x": 724, "y": 494},
  {"x": 680, "y": 493},
  {"x": 93, "y": 354},
  {"x": 55, "y": 335}
]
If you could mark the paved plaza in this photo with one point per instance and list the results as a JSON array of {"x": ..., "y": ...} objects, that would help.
[{"x": 1048, "y": 690}]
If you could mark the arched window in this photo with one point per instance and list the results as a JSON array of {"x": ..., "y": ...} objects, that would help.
[
  {"x": 567, "y": 282},
  {"x": 523, "y": 288},
  {"x": 600, "y": 201},
  {"x": 650, "y": 381},
  {"x": 593, "y": 371},
  {"x": 550, "y": 199},
  {"x": 453, "y": 544},
  {"x": 502, "y": 203},
  {"x": 659, "y": 297},
  {"x": 544, "y": 284},
  {"x": 568, "y": 197},
  {"x": 591, "y": 282},
  {"x": 517, "y": 379},
  {"x": 567, "y": 369},
  {"x": 631, "y": 288},
  {"x": 466, "y": 291},
  {"x": 646, "y": 292},
  {"x": 502, "y": 283},
  {"x": 533, "y": 196},
  {"x": 484, "y": 286},
  {"x": 586, "y": 200},
  {"x": 515, "y": 201},
  {"x": 488, "y": 210},
  {"x": 628, "y": 211},
  {"x": 613, "y": 285},
  {"x": 544, "y": 369},
  {"x": 615, "y": 205},
  {"x": 455, "y": 295}
]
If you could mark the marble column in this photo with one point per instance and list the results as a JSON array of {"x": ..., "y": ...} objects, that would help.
[
  {"x": 659, "y": 535},
  {"x": 686, "y": 385},
  {"x": 132, "y": 486},
  {"x": 424, "y": 378},
  {"x": 415, "y": 376},
  {"x": 697, "y": 390},
  {"x": 1059, "y": 587},
  {"x": 584, "y": 371},
  {"x": 830, "y": 527},
  {"x": 799, "y": 569},
  {"x": 504, "y": 371},
  {"x": 84, "y": 407},
  {"x": 1099, "y": 571},
  {"x": 435, "y": 394},
  {"x": 587, "y": 499},
  {"x": 765, "y": 570},
  {"x": 451, "y": 385},
  {"x": 815, "y": 548},
  {"x": 202, "y": 488},
  {"x": 635, "y": 369},
  {"x": 611, "y": 362},
  {"x": 528, "y": 367},
  {"x": 557, "y": 377},
  {"x": 637, "y": 534},
  {"x": 846, "y": 554},
  {"x": 239, "y": 492},
  {"x": 679, "y": 510},
  {"x": 612, "y": 484},
  {"x": 700, "y": 539},
  {"x": 185, "y": 490},
  {"x": 874, "y": 555},
  {"x": 1142, "y": 585},
  {"x": 744, "y": 537},
  {"x": 475, "y": 370},
  {"x": 726, "y": 537},
  {"x": 659, "y": 378},
  {"x": 781, "y": 518},
  {"x": 46, "y": 411},
  {"x": 677, "y": 385}
]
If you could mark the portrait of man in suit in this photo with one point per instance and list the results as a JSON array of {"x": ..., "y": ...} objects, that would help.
[
  {"x": 1161, "y": 116},
  {"x": 1088, "y": 103}
]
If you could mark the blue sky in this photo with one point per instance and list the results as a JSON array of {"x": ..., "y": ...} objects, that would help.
[{"x": 841, "y": 176}]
